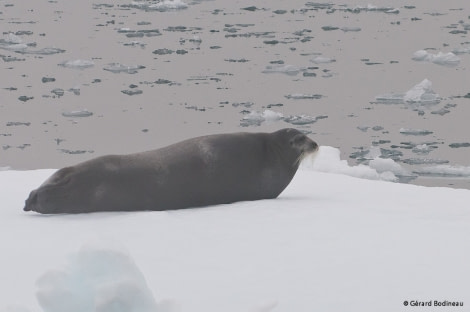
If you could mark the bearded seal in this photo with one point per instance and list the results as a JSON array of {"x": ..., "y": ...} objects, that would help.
[{"x": 202, "y": 171}]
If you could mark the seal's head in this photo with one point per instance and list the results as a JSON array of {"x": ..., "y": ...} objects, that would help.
[{"x": 294, "y": 144}]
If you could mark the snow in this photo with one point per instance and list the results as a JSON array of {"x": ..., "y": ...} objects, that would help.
[{"x": 330, "y": 242}]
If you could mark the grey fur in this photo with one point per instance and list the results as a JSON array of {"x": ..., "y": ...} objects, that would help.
[{"x": 207, "y": 170}]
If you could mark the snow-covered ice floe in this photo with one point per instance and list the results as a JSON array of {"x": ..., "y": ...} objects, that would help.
[
  {"x": 327, "y": 233},
  {"x": 420, "y": 94},
  {"x": 445, "y": 59}
]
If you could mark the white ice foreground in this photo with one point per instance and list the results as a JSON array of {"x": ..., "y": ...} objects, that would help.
[{"x": 330, "y": 242}]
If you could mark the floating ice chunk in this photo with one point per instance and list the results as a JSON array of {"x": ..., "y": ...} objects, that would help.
[
  {"x": 12, "y": 42},
  {"x": 59, "y": 92},
  {"x": 290, "y": 70},
  {"x": 462, "y": 50},
  {"x": 256, "y": 118},
  {"x": 459, "y": 145},
  {"x": 132, "y": 92},
  {"x": 43, "y": 51},
  {"x": 98, "y": 279},
  {"x": 391, "y": 168},
  {"x": 422, "y": 149},
  {"x": 75, "y": 90},
  {"x": 322, "y": 60},
  {"x": 78, "y": 113},
  {"x": 374, "y": 8},
  {"x": 135, "y": 44},
  {"x": 327, "y": 159},
  {"x": 11, "y": 38},
  {"x": 302, "y": 119},
  {"x": 373, "y": 152},
  {"x": 161, "y": 6},
  {"x": 77, "y": 64},
  {"x": 302, "y": 96},
  {"x": 74, "y": 152},
  {"x": 445, "y": 59},
  {"x": 445, "y": 171},
  {"x": 441, "y": 111},
  {"x": 390, "y": 98},
  {"x": 167, "y": 5},
  {"x": 422, "y": 161},
  {"x": 121, "y": 68},
  {"x": 408, "y": 131},
  {"x": 422, "y": 93},
  {"x": 351, "y": 29},
  {"x": 15, "y": 47}
]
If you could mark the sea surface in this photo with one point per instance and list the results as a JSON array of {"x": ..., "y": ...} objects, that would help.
[{"x": 387, "y": 79}]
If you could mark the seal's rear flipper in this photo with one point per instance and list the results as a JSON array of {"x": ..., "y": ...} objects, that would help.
[{"x": 31, "y": 201}]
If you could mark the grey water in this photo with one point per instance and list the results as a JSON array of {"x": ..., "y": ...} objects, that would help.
[{"x": 126, "y": 76}]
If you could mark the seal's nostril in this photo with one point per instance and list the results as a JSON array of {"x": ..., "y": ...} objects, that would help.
[{"x": 314, "y": 146}]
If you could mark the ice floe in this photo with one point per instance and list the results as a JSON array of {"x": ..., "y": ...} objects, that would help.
[
  {"x": 290, "y": 70},
  {"x": 373, "y": 8},
  {"x": 121, "y": 68},
  {"x": 328, "y": 160},
  {"x": 78, "y": 113},
  {"x": 408, "y": 131},
  {"x": 322, "y": 60},
  {"x": 77, "y": 64},
  {"x": 14, "y": 43},
  {"x": 302, "y": 119},
  {"x": 161, "y": 6},
  {"x": 444, "y": 171},
  {"x": 256, "y": 118},
  {"x": 303, "y": 96},
  {"x": 420, "y": 94},
  {"x": 445, "y": 59},
  {"x": 351, "y": 29},
  {"x": 462, "y": 50}
]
